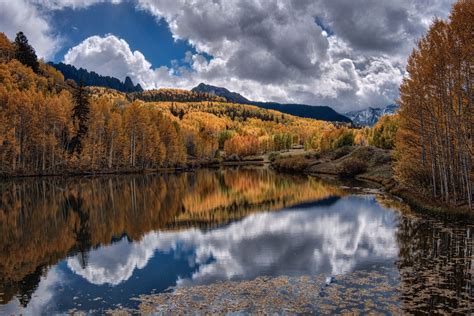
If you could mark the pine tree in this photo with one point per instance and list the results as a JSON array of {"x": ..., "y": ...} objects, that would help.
[
  {"x": 80, "y": 114},
  {"x": 25, "y": 53}
]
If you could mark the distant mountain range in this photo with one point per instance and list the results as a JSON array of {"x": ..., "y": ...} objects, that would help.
[
  {"x": 324, "y": 113},
  {"x": 370, "y": 116},
  {"x": 367, "y": 117},
  {"x": 91, "y": 78}
]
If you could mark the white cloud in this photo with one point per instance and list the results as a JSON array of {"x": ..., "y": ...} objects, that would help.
[
  {"x": 374, "y": 81},
  {"x": 32, "y": 18},
  {"x": 20, "y": 15},
  {"x": 111, "y": 56},
  {"x": 75, "y": 4}
]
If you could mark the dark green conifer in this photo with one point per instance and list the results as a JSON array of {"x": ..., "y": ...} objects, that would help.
[
  {"x": 80, "y": 114},
  {"x": 25, "y": 53}
]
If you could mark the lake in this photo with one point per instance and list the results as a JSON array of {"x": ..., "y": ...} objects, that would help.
[{"x": 126, "y": 242}]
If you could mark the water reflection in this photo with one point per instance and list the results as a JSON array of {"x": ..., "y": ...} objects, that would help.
[
  {"x": 92, "y": 243},
  {"x": 436, "y": 266},
  {"x": 44, "y": 221},
  {"x": 335, "y": 239}
]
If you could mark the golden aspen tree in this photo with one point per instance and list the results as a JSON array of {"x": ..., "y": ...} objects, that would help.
[{"x": 435, "y": 138}]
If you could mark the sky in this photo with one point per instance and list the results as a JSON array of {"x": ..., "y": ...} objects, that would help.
[{"x": 342, "y": 53}]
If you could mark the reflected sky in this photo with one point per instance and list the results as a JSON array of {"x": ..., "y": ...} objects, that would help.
[{"x": 349, "y": 233}]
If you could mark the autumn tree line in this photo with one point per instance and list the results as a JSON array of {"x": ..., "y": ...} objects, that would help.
[{"x": 435, "y": 144}]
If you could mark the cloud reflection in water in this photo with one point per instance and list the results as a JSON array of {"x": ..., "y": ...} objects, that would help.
[{"x": 353, "y": 232}]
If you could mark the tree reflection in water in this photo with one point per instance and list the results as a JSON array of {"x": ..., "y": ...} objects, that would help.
[
  {"x": 436, "y": 265},
  {"x": 43, "y": 221}
]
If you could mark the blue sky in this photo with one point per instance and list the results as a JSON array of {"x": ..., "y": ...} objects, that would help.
[
  {"x": 341, "y": 53},
  {"x": 141, "y": 30}
]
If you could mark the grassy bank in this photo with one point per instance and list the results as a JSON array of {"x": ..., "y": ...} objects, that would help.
[
  {"x": 191, "y": 165},
  {"x": 368, "y": 164}
]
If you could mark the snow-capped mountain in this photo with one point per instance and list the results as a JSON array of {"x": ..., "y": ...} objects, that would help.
[{"x": 370, "y": 116}]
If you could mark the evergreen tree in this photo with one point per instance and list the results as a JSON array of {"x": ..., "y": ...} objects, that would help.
[
  {"x": 25, "y": 53},
  {"x": 80, "y": 114}
]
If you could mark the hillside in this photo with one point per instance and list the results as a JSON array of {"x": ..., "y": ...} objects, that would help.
[
  {"x": 174, "y": 95},
  {"x": 49, "y": 125},
  {"x": 324, "y": 113}
]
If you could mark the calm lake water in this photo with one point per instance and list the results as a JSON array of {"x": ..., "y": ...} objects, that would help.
[{"x": 92, "y": 244}]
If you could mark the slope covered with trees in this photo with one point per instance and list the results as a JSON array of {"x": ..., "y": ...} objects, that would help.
[
  {"x": 435, "y": 144},
  {"x": 177, "y": 95}
]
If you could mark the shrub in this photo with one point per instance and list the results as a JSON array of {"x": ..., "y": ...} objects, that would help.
[
  {"x": 233, "y": 157},
  {"x": 273, "y": 156},
  {"x": 298, "y": 163},
  {"x": 352, "y": 167},
  {"x": 341, "y": 152}
]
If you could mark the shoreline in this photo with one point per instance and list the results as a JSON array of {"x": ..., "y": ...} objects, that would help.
[
  {"x": 297, "y": 162},
  {"x": 137, "y": 171},
  {"x": 379, "y": 173}
]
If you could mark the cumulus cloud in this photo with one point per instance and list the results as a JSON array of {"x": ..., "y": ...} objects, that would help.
[
  {"x": 329, "y": 240},
  {"x": 32, "y": 18},
  {"x": 21, "y": 15},
  {"x": 112, "y": 56}
]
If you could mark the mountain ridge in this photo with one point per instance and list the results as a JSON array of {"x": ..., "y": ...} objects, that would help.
[
  {"x": 371, "y": 115},
  {"x": 91, "y": 78},
  {"x": 317, "y": 112}
]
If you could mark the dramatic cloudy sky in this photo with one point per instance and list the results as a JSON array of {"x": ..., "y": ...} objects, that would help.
[{"x": 344, "y": 53}]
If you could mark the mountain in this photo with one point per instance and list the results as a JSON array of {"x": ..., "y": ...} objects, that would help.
[
  {"x": 91, "y": 78},
  {"x": 370, "y": 116},
  {"x": 318, "y": 112},
  {"x": 324, "y": 113},
  {"x": 222, "y": 92}
]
